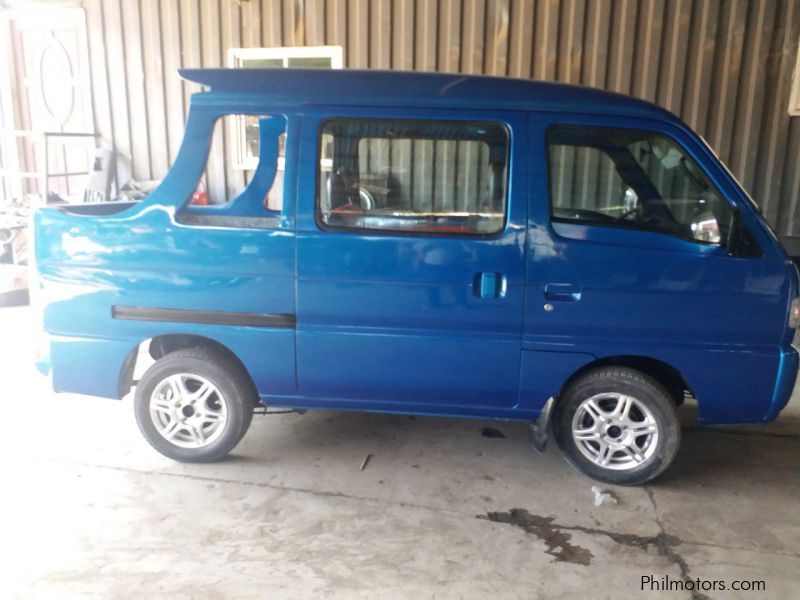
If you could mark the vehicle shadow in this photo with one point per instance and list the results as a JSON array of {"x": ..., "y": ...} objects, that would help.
[
  {"x": 709, "y": 456},
  {"x": 728, "y": 456}
]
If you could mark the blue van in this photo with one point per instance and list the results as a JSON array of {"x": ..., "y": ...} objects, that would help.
[{"x": 430, "y": 244}]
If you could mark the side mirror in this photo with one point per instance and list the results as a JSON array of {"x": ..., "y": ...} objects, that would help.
[{"x": 705, "y": 228}]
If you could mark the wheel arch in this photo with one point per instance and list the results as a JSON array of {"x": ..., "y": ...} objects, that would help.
[
  {"x": 664, "y": 373},
  {"x": 160, "y": 345}
]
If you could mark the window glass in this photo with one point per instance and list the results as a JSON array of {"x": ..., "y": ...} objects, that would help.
[
  {"x": 630, "y": 178},
  {"x": 310, "y": 62},
  {"x": 411, "y": 176}
]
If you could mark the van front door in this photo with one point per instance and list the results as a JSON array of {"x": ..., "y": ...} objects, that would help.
[
  {"x": 410, "y": 277},
  {"x": 641, "y": 252}
]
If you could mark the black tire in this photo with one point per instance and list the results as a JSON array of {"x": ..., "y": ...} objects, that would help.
[
  {"x": 649, "y": 395},
  {"x": 230, "y": 379}
]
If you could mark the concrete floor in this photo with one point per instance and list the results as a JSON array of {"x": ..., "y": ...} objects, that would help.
[{"x": 440, "y": 511}]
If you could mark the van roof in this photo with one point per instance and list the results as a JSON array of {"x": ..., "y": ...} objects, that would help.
[{"x": 406, "y": 88}]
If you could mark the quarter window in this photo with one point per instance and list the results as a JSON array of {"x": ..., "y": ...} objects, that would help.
[
  {"x": 629, "y": 178},
  {"x": 411, "y": 176},
  {"x": 254, "y": 201}
]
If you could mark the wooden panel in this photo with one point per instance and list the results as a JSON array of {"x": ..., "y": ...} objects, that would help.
[
  {"x": 425, "y": 38},
  {"x": 210, "y": 31},
  {"x": 726, "y": 73},
  {"x": 403, "y": 35},
  {"x": 380, "y": 34},
  {"x": 497, "y": 26},
  {"x": 315, "y": 23},
  {"x": 777, "y": 176},
  {"x": 570, "y": 42},
  {"x": 336, "y": 23},
  {"x": 473, "y": 22},
  {"x": 271, "y": 23},
  {"x": 294, "y": 32},
  {"x": 674, "y": 50},
  {"x": 700, "y": 64},
  {"x": 596, "y": 47},
  {"x": 357, "y": 53},
  {"x": 251, "y": 24},
  {"x": 191, "y": 54},
  {"x": 231, "y": 24},
  {"x": 790, "y": 177},
  {"x": 173, "y": 91},
  {"x": 520, "y": 38},
  {"x": 449, "y": 42},
  {"x": 141, "y": 151},
  {"x": 99, "y": 72},
  {"x": 622, "y": 39},
  {"x": 647, "y": 58},
  {"x": 153, "y": 53},
  {"x": 112, "y": 17},
  {"x": 546, "y": 36},
  {"x": 750, "y": 106}
]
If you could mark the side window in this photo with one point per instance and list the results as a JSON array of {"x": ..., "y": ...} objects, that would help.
[
  {"x": 225, "y": 196},
  {"x": 629, "y": 178},
  {"x": 436, "y": 177},
  {"x": 585, "y": 183}
]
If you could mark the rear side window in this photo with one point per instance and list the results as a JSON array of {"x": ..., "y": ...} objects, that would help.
[
  {"x": 636, "y": 179},
  {"x": 435, "y": 177}
]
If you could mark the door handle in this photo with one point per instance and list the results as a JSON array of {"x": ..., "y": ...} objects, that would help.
[
  {"x": 562, "y": 292},
  {"x": 490, "y": 285}
]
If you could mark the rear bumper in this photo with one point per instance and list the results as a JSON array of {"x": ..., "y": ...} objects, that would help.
[{"x": 784, "y": 382}]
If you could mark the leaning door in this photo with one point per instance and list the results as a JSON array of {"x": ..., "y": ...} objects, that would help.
[
  {"x": 411, "y": 238},
  {"x": 46, "y": 88}
]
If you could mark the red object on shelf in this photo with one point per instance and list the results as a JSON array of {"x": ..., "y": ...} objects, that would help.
[{"x": 200, "y": 196}]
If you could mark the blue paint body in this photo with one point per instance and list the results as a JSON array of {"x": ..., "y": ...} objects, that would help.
[{"x": 395, "y": 322}]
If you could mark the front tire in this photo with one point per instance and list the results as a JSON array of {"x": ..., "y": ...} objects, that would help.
[
  {"x": 194, "y": 405},
  {"x": 617, "y": 425}
]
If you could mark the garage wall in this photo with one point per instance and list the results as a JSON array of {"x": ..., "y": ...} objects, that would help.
[{"x": 724, "y": 66}]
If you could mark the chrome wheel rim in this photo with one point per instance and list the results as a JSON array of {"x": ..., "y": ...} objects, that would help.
[
  {"x": 188, "y": 410},
  {"x": 615, "y": 431}
]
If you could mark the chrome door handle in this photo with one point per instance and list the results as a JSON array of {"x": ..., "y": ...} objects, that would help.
[
  {"x": 562, "y": 292},
  {"x": 490, "y": 285}
]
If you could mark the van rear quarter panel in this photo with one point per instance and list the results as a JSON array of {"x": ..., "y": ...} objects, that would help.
[{"x": 145, "y": 258}]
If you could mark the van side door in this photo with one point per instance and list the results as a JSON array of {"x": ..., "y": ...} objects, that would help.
[{"x": 410, "y": 260}]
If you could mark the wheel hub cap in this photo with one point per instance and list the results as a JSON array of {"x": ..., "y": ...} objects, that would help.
[
  {"x": 615, "y": 431},
  {"x": 188, "y": 410}
]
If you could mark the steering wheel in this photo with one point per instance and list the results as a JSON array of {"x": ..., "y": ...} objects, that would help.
[{"x": 626, "y": 214}]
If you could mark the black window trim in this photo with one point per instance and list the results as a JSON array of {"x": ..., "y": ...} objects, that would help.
[{"x": 322, "y": 226}]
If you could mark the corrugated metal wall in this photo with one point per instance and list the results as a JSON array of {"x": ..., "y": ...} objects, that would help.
[{"x": 724, "y": 66}]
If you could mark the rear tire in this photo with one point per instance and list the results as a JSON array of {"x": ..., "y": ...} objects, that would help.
[
  {"x": 617, "y": 425},
  {"x": 194, "y": 405}
]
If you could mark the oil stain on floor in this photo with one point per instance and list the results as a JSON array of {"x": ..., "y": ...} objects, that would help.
[{"x": 556, "y": 539}]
